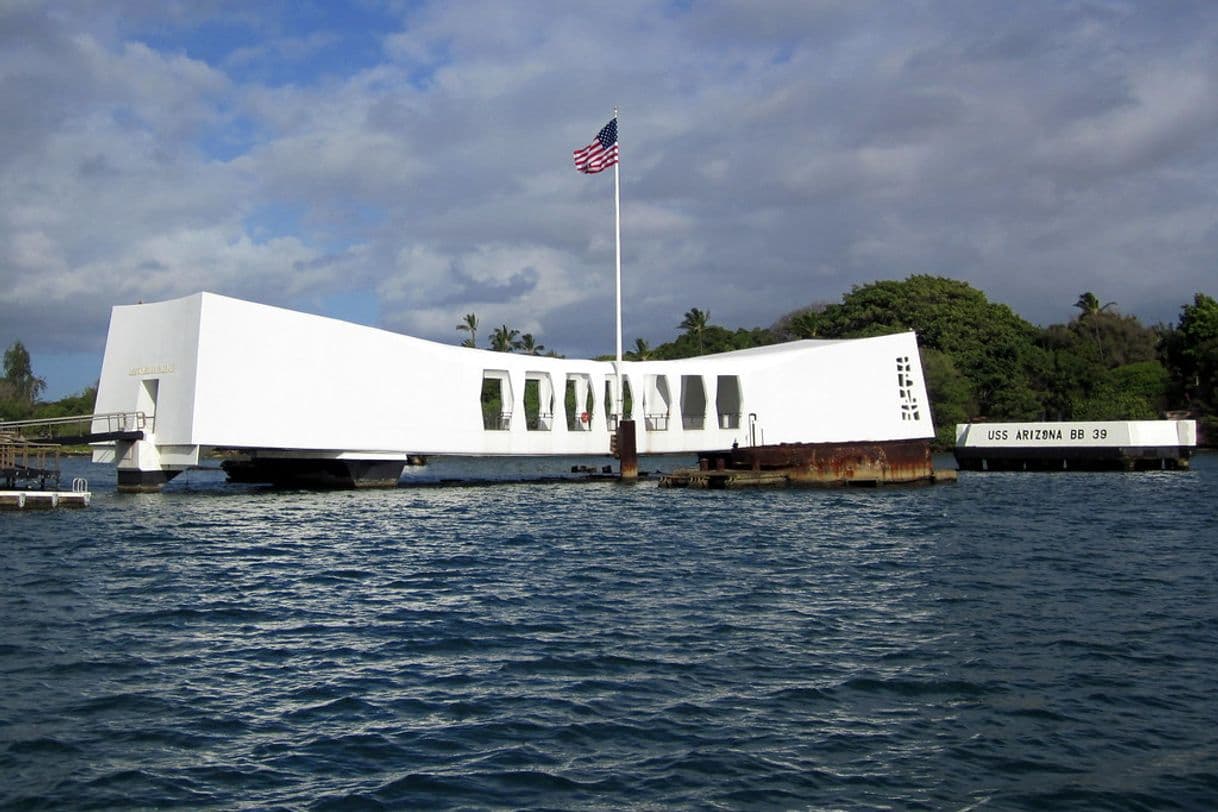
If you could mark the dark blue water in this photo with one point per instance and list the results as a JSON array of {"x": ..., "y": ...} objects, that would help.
[{"x": 1013, "y": 641}]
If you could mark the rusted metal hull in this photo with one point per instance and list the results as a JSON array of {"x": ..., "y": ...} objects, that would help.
[{"x": 812, "y": 464}]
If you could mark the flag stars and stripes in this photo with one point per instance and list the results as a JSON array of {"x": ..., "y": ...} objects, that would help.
[{"x": 601, "y": 153}]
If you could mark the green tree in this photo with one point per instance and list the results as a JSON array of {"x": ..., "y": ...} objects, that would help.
[
  {"x": 20, "y": 388},
  {"x": 1071, "y": 372},
  {"x": 993, "y": 348},
  {"x": 1089, "y": 305},
  {"x": 802, "y": 323},
  {"x": 695, "y": 324},
  {"x": 1080, "y": 355},
  {"x": 950, "y": 393},
  {"x": 504, "y": 339},
  {"x": 529, "y": 346},
  {"x": 81, "y": 403},
  {"x": 469, "y": 324},
  {"x": 1147, "y": 381},
  {"x": 713, "y": 339},
  {"x": 641, "y": 351},
  {"x": 1118, "y": 339},
  {"x": 1131, "y": 392},
  {"x": 1190, "y": 353}
]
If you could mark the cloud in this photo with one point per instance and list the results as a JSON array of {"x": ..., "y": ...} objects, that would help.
[{"x": 774, "y": 155}]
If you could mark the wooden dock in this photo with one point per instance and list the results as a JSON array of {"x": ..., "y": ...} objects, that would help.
[{"x": 29, "y": 476}]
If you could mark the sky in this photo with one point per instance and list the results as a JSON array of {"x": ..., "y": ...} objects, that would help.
[{"x": 400, "y": 164}]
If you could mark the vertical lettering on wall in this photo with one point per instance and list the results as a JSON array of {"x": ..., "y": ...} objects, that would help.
[{"x": 909, "y": 403}]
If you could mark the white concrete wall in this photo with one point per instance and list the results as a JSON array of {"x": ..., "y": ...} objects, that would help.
[
  {"x": 237, "y": 374},
  {"x": 155, "y": 342}
]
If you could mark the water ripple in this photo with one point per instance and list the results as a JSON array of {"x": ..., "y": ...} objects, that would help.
[{"x": 1009, "y": 642}]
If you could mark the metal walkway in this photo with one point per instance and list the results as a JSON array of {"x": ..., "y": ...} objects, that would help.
[
  {"x": 29, "y": 449},
  {"x": 80, "y": 429}
]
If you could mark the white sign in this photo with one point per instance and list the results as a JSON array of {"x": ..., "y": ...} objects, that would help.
[
  {"x": 155, "y": 369},
  {"x": 1043, "y": 435}
]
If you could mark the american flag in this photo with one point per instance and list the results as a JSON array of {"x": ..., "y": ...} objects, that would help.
[{"x": 601, "y": 153}]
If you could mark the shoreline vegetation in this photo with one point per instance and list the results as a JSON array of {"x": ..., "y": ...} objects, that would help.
[{"x": 981, "y": 361}]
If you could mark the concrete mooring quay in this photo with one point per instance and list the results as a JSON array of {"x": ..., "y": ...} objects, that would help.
[{"x": 866, "y": 464}]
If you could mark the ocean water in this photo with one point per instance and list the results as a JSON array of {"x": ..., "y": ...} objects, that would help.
[{"x": 1013, "y": 641}]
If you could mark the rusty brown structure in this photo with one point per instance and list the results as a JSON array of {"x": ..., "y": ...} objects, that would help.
[
  {"x": 812, "y": 464},
  {"x": 625, "y": 448}
]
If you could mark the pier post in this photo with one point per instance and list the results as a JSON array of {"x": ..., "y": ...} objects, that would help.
[
  {"x": 627, "y": 450},
  {"x": 140, "y": 467}
]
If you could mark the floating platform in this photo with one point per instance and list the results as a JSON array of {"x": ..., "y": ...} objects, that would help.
[
  {"x": 1113, "y": 445},
  {"x": 866, "y": 464},
  {"x": 21, "y": 500}
]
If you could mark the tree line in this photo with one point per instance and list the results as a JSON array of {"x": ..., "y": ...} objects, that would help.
[
  {"x": 502, "y": 338},
  {"x": 981, "y": 360},
  {"x": 21, "y": 391}
]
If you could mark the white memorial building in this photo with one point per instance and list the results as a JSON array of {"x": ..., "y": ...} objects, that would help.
[{"x": 296, "y": 397}]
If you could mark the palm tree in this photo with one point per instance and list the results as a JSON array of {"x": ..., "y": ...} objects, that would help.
[
  {"x": 1089, "y": 308},
  {"x": 694, "y": 324},
  {"x": 504, "y": 339},
  {"x": 469, "y": 325},
  {"x": 529, "y": 346},
  {"x": 1089, "y": 305},
  {"x": 641, "y": 351}
]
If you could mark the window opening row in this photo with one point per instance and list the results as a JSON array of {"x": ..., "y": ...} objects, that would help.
[{"x": 580, "y": 404}]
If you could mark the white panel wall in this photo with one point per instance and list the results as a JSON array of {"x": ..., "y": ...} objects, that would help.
[{"x": 153, "y": 341}]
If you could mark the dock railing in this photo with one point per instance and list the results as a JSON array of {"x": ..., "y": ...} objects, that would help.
[{"x": 26, "y": 464}]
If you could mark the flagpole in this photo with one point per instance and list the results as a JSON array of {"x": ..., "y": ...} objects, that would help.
[{"x": 617, "y": 233}]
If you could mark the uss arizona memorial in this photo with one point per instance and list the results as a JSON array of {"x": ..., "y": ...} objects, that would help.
[{"x": 305, "y": 398}]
